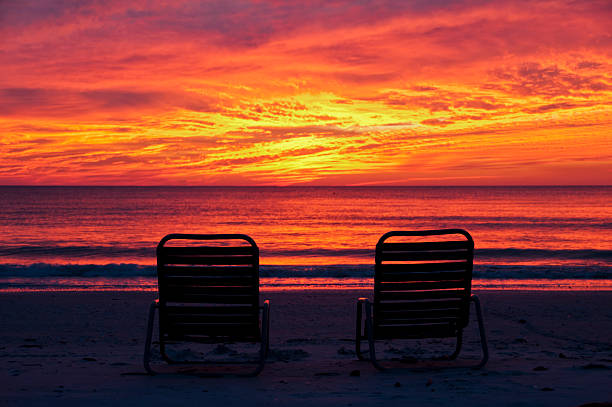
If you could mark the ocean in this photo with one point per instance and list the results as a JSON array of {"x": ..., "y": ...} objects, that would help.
[{"x": 104, "y": 238}]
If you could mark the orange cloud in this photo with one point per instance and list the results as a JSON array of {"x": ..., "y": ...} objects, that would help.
[{"x": 335, "y": 92}]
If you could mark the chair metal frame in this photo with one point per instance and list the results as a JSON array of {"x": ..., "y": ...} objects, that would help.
[
  {"x": 422, "y": 252},
  {"x": 159, "y": 305}
]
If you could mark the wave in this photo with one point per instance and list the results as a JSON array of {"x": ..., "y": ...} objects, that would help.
[
  {"x": 127, "y": 270},
  {"x": 29, "y": 251},
  {"x": 536, "y": 254},
  {"x": 148, "y": 252},
  {"x": 76, "y": 270}
]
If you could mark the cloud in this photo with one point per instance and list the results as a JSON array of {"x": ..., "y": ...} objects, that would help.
[
  {"x": 265, "y": 91},
  {"x": 269, "y": 133},
  {"x": 437, "y": 122},
  {"x": 365, "y": 78},
  {"x": 37, "y": 102},
  {"x": 438, "y": 100},
  {"x": 422, "y": 88},
  {"x": 588, "y": 65},
  {"x": 532, "y": 78},
  {"x": 232, "y": 23},
  {"x": 553, "y": 106}
]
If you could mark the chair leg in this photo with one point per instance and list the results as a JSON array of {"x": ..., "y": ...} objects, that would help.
[
  {"x": 454, "y": 355},
  {"x": 265, "y": 336},
  {"x": 358, "y": 334},
  {"x": 261, "y": 362},
  {"x": 370, "y": 333},
  {"x": 147, "y": 350},
  {"x": 267, "y": 326},
  {"x": 483, "y": 337},
  {"x": 162, "y": 350},
  {"x": 265, "y": 340}
]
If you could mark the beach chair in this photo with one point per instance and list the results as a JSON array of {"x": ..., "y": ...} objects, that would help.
[
  {"x": 208, "y": 293},
  {"x": 422, "y": 287}
]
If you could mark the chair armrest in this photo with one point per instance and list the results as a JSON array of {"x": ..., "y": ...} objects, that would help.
[
  {"x": 364, "y": 301},
  {"x": 361, "y": 304}
]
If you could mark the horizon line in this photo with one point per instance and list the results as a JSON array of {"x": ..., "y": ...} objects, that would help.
[{"x": 306, "y": 186}]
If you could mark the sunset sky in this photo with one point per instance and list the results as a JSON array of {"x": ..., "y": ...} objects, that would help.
[{"x": 427, "y": 92}]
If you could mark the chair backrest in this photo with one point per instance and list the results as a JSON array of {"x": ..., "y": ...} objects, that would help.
[
  {"x": 422, "y": 285},
  {"x": 208, "y": 287}
]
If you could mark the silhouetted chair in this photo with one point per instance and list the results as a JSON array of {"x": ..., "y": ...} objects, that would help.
[
  {"x": 208, "y": 293},
  {"x": 421, "y": 290}
]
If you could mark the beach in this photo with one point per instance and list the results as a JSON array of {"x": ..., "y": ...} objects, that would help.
[
  {"x": 222, "y": 153},
  {"x": 547, "y": 348}
]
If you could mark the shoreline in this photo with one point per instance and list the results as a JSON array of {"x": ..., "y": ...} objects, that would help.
[
  {"x": 548, "y": 348},
  {"x": 149, "y": 284}
]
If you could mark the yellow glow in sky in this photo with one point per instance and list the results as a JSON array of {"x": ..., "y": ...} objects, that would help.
[{"x": 333, "y": 93}]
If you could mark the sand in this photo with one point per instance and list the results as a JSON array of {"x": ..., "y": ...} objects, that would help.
[{"x": 548, "y": 348}]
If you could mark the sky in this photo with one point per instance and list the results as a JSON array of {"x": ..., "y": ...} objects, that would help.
[{"x": 389, "y": 92}]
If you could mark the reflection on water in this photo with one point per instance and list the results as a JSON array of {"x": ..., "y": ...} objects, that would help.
[
  {"x": 104, "y": 238},
  {"x": 302, "y": 225}
]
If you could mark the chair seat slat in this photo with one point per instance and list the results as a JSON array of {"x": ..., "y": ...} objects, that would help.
[
  {"x": 415, "y": 332},
  {"x": 177, "y": 337},
  {"x": 419, "y": 295},
  {"x": 211, "y": 290},
  {"x": 419, "y": 256},
  {"x": 216, "y": 281},
  {"x": 211, "y": 310},
  {"x": 207, "y": 250},
  {"x": 388, "y": 278},
  {"x": 422, "y": 267},
  {"x": 211, "y": 318},
  {"x": 424, "y": 246},
  {"x": 421, "y": 285},
  {"x": 419, "y": 305},
  {"x": 450, "y": 319},
  {"x": 213, "y": 329},
  {"x": 411, "y": 314},
  {"x": 204, "y": 270},
  {"x": 194, "y": 273},
  {"x": 210, "y": 281},
  {"x": 207, "y": 260},
  {"x": 177, "y": 296}
]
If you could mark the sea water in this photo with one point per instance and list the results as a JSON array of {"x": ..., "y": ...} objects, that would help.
[{"x": 104, "y": 238}]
